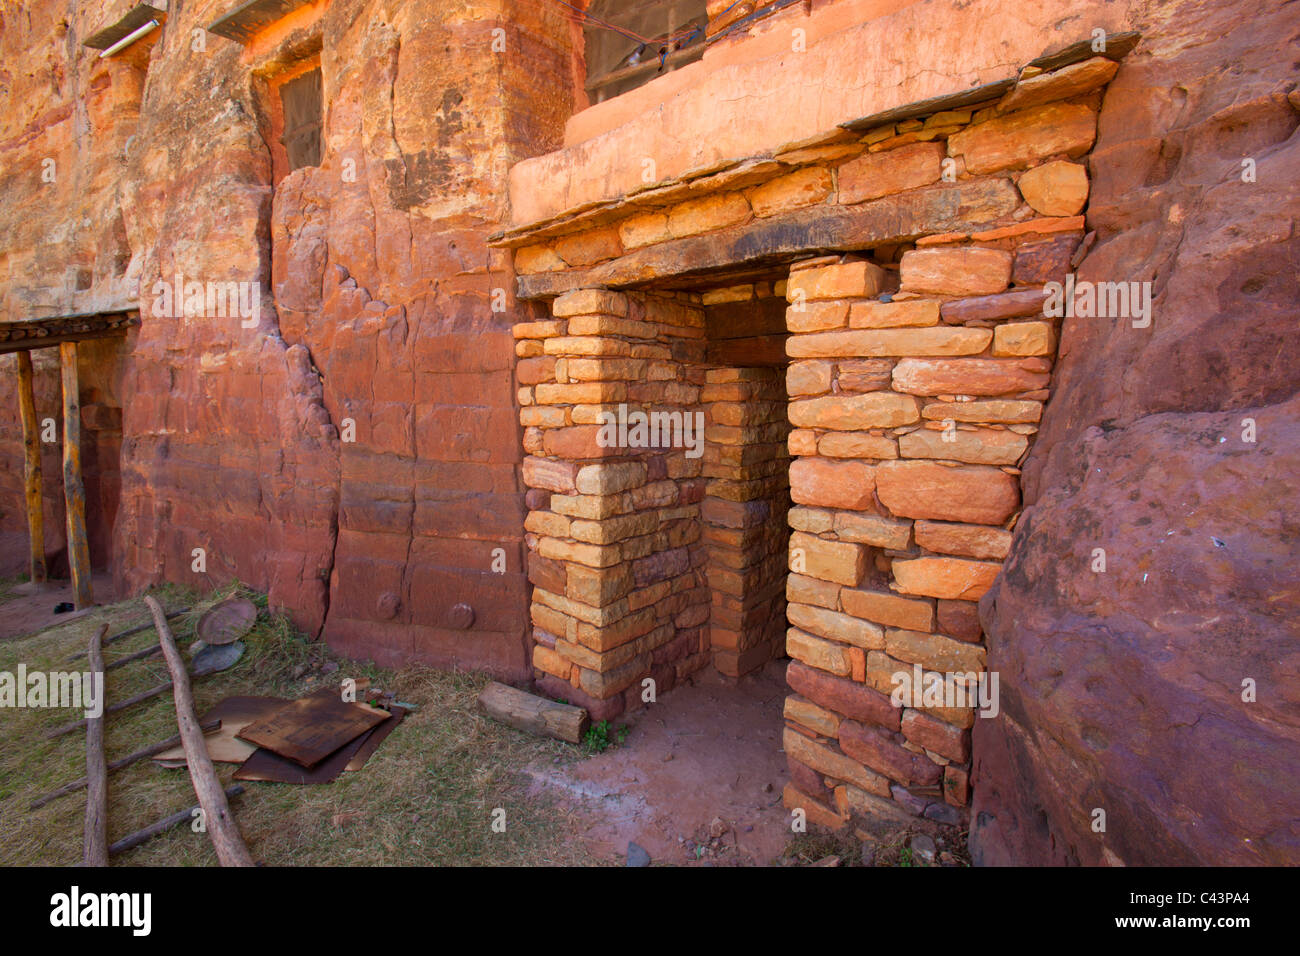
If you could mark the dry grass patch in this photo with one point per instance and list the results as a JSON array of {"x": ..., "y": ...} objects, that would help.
[{"x": 425, "y": 798}]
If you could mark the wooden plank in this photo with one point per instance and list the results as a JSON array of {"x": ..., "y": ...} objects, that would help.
[
  {"x": 222, "y": 829},
  {"x": 647, "y": 67},
  {"x": 133, "y": 20},
  {"x": 243, "y": 23},
  {"x": 536, "y": 715},
  {"x": 74, "y": 490},
  {"x": 32, "y": 473},
  {"x": 946, "y": 207},
  {"x": 95, "y": 847},
  {"x": 26, "y": 334}
]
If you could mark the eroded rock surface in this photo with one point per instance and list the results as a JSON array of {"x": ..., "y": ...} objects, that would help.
[{"x": 1123, "y": 690}]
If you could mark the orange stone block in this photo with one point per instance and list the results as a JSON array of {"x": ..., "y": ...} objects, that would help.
[
  {"x": 832, "y": 484},
  {"x": 970, "y": 376},
  {"x": 846, "y": 280},
  {"x": 970, "y": 493},
  {"x": 891, "y": 171},
  {"x": 956, "y": 270},
  {"x": 1020, "y": 138},
  {"x": 945, "y": 577},
  {"x": 1055, "y": 189}
]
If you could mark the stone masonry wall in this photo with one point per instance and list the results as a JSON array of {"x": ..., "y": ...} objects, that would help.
[
  {"x": 745, "y": 510},
  {"x": 912, "y": 411},
  {"x": 613, "y": 530}
]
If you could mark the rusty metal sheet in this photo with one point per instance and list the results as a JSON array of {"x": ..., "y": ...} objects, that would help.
[
  {"x": 235, "y": 713},
  {"x": 267, "y": 767},
  {"x": 312, "y": 728},
  {"x": 371, "y": 741}
]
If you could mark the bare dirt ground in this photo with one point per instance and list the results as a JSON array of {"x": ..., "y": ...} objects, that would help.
[
  {"x": 30, "y": 607},
  {"x": 697, "y": 780}
]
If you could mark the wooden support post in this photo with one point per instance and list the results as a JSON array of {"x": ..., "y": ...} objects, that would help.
[
  {"x": 32, "y": 447},
  {"x": 95, "y": 847},
  {"x": 74, "y": 491}
]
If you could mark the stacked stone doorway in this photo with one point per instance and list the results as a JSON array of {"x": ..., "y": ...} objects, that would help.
[
  {"x": 861, "y": 319},
  {"x": 654, "y": 557}
]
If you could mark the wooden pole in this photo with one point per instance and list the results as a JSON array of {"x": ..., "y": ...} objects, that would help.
[
  {"x": 149, "y": 694},
  {"x": 74, "y": 491},
  {"x": 222, "y": 828},
  {"x": 208, "y": 727},
  {"x": 147, "y": 626},
  {"x": 32, "y": 447},
  {"x": 96, "y": 834},
  {"x": 163, "y": 825},
  {"x": 137, "y": 656}
]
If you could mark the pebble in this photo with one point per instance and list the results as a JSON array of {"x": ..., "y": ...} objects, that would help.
[
  {"x": 923, "y": 848},
  {"x": 637, "y": 855}
]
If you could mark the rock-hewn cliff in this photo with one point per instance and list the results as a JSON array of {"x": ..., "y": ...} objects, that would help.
[{"x": 1122, "y": 690}]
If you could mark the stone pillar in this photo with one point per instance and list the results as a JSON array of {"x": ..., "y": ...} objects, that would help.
[
  {"x": 613, "y": 525},
  {"x": 745, "y": 513}
]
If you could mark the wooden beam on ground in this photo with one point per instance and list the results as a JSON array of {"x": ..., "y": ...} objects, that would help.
[
  {"x": 146, "y": 626},
  {"x": 537, "y": 715},
  {"x": 162, "y": 826},
  {"x": 95, "y": 849},
  {"x": 209, "y": 726},
  {"x": 149, "y": 694},
  {"x": 74, "y": 490},
  {"x": 32, "y": 472},
  {"x": 222, "y": 828}
]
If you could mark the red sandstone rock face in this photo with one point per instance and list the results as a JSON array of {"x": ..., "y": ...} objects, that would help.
[
  {"x": 377, "y": 294},
  {"x": 1123, "y": 690}
]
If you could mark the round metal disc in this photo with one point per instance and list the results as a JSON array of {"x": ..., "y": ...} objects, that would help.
[
  {"x": 217, "y": 657},
  {"x": 227, "y": 621}
]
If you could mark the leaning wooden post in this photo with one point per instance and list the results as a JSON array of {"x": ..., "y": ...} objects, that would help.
[
  {"x": 32, "y": 447},
  {"x": 95, "y": 850},
  {"x": 223, "y": 830},
  {"x": 74, "y": 491}
]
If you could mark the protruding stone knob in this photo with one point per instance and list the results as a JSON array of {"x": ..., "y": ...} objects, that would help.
[{"x": 462, "y": 616}]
